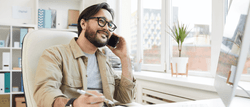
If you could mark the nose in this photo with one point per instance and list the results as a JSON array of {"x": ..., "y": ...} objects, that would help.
[{"x": 106, "y": 29}]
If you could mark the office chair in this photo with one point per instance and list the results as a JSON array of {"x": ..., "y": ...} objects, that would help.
[{"x": 34, "y": 44}]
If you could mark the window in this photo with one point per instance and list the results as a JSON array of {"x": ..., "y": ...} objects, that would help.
[
  {"x": 197, "y": 45},
  {"x": 151, "y": 31},
  {"x": 133, "y": 28},
  {"x": 151, "y": 42},
  {"x": 146, "y": 31}
]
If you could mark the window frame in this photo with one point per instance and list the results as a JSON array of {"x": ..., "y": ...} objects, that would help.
[
  {"x": 217, "y": 28},
  {"x": 151, "y": 67}
]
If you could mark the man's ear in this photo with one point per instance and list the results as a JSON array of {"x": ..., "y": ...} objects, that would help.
[{"x": 83, "y": 24}]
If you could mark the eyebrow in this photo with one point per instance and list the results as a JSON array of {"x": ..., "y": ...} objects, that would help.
[{"x": 106, "y": 19}]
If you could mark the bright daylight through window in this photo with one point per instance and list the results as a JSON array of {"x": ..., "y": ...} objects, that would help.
[{"x": 197, "y": 15}]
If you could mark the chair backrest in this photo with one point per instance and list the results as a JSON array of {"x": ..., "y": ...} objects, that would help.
[{"x": 34, "y": 44}]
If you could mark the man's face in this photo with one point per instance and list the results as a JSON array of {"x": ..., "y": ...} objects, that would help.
[{"x": 96, "y": 34}]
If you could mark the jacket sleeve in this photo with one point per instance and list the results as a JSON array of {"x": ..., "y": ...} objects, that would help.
[
  {"x": 48, "y": 78},
  {"x": 124, "y": 89}
]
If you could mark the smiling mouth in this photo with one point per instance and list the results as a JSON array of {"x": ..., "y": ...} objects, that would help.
[{"x": 104, "y": 34}]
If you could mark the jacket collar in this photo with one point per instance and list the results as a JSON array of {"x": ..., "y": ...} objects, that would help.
[{"x": 77, "y": 51}]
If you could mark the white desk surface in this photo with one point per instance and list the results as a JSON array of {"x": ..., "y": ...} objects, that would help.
[{"x": 237, "y": 102}]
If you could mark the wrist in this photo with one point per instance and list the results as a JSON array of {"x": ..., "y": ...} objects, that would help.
[
  {"x": 125, "y": 58},
  {"x": 70, "y": 102},
  {"x": 60, "y": 101}
]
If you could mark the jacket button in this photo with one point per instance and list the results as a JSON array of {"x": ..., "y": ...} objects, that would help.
[{"x": 86, "y": 75}]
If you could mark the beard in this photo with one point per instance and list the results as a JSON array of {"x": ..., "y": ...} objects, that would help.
[{"x": 92, "y": 37}]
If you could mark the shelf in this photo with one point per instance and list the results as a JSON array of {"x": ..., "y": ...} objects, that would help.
[
  {"x": 19, "y": 25},
  {"x": 12, "y": 93},
  {"x": 4, "y": 93},
  {"x": 25, "y": 25},
  {"x": 4, "y": 47},
  {"x": 17, "y": 92},
  {"x": 17, "y": 48},
  {"x": 4, "y": 70},
  {"x": 16, "y": 70},
  {"x": 71, "y": 30}
]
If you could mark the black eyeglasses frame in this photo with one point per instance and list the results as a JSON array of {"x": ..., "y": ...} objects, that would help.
[{"x": 98, "y": 18}]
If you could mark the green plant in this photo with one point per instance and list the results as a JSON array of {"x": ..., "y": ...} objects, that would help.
[{"x": 179, "y": 33}]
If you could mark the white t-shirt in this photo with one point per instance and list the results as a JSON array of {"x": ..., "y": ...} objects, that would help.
[{"x": 93, "y": 72}]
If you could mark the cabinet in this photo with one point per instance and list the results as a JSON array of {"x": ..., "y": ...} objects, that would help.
[{"x": 10, "y": 61}]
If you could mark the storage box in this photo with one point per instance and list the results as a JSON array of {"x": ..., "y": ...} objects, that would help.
[
  {"x": 6, "y": 61},
  {"x": 20, "y": 102},
  {"x": 4, "y": 100}
]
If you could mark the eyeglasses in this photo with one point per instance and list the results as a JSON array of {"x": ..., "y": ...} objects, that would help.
[{"x": 102, "y": 22}]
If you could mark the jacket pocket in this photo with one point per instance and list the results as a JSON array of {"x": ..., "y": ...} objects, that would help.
[{"x": 73, "y": 83}]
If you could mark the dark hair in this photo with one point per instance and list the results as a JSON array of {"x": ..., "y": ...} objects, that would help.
[{"x": 92, "y": 10}]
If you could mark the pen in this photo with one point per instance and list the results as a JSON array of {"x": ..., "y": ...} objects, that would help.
[{"x": 84, "y": 92}]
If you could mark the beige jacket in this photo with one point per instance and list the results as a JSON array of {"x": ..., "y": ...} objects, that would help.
[{"x": 63, "y": 68}]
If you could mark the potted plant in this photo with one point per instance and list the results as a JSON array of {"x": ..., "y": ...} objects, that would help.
[{"x": 179, "y": 65}]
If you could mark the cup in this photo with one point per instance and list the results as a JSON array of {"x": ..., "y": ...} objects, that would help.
[{"x": 137, "y": 67}]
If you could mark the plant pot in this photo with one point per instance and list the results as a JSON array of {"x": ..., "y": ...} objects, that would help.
[{"x": 179, "y": 66}]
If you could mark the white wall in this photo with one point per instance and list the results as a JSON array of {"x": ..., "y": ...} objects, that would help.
[
  {"x": 62, "y": 7},
  {"x": 6, "y": 11},
  {"x": 124, "y": 25},
  {"x": 87, "y": 3}
]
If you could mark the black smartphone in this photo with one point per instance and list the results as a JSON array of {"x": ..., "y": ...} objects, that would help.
[{"x": 113, "y": 41}]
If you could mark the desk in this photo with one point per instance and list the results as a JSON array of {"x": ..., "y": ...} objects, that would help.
[{"x": 237, "y": 102}]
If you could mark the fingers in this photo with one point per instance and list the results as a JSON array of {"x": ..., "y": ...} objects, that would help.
[
  {"x": 96, "y": 105},
  {"x": 98, "y": 98}
]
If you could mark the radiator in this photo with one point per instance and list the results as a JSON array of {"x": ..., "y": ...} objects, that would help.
[{"x": 150, "y": 96}]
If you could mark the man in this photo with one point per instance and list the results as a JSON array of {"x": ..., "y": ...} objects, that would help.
[{"x": 81, "y": 65}]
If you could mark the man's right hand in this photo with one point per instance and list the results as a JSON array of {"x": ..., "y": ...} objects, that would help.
[{"x": 90, "y": 101}]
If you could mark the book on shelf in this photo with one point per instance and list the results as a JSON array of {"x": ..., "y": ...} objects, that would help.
[
  {"x": 19, "y": 62},
  {"x": 41, "y": 18},
  {"x": 73, "y": 24},
  {"x": 46, "y": 18},
  {"x": 7, "y": 82},
  {"x": 16, "y": 68},
  {"x": 1, "y": 82},
  {"x": 22, "y": 90},
  {"x": 7, "y": 42},
  {"x": 23, "y": 32},
  {"x": 73, "y": 16},
  {"x": 72, "y": 27}
]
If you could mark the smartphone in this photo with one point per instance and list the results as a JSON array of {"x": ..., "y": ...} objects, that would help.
[{"x": 113, "y": 41}]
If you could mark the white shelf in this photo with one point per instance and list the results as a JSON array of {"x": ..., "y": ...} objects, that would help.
[
  {"x": 4, "y": 93},
  {"x": 15, "y": 54},
  {"x": 12, "y": 93},
  {"x": 16, "y": 70},
  {"x": 71, "y": 30},
  {"x": 17, "y": 48},
  {"x": 25, "y": 25},
  {"x": 17, "y": 92},
  {"x": 4, "y": 47},
  {"x": 4, "y": 70}
]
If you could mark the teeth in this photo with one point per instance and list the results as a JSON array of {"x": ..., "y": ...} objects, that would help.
[{"x": 103, "y": 36}]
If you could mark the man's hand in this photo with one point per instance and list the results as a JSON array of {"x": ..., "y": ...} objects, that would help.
[
  {"x": 122, "y": 52},
  {"x": 90, "y": 101},
  {"x": 121, "y": 48}
]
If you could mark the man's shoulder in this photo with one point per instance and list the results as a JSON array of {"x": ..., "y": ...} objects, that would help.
[{"x": 58, "y": 49}]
